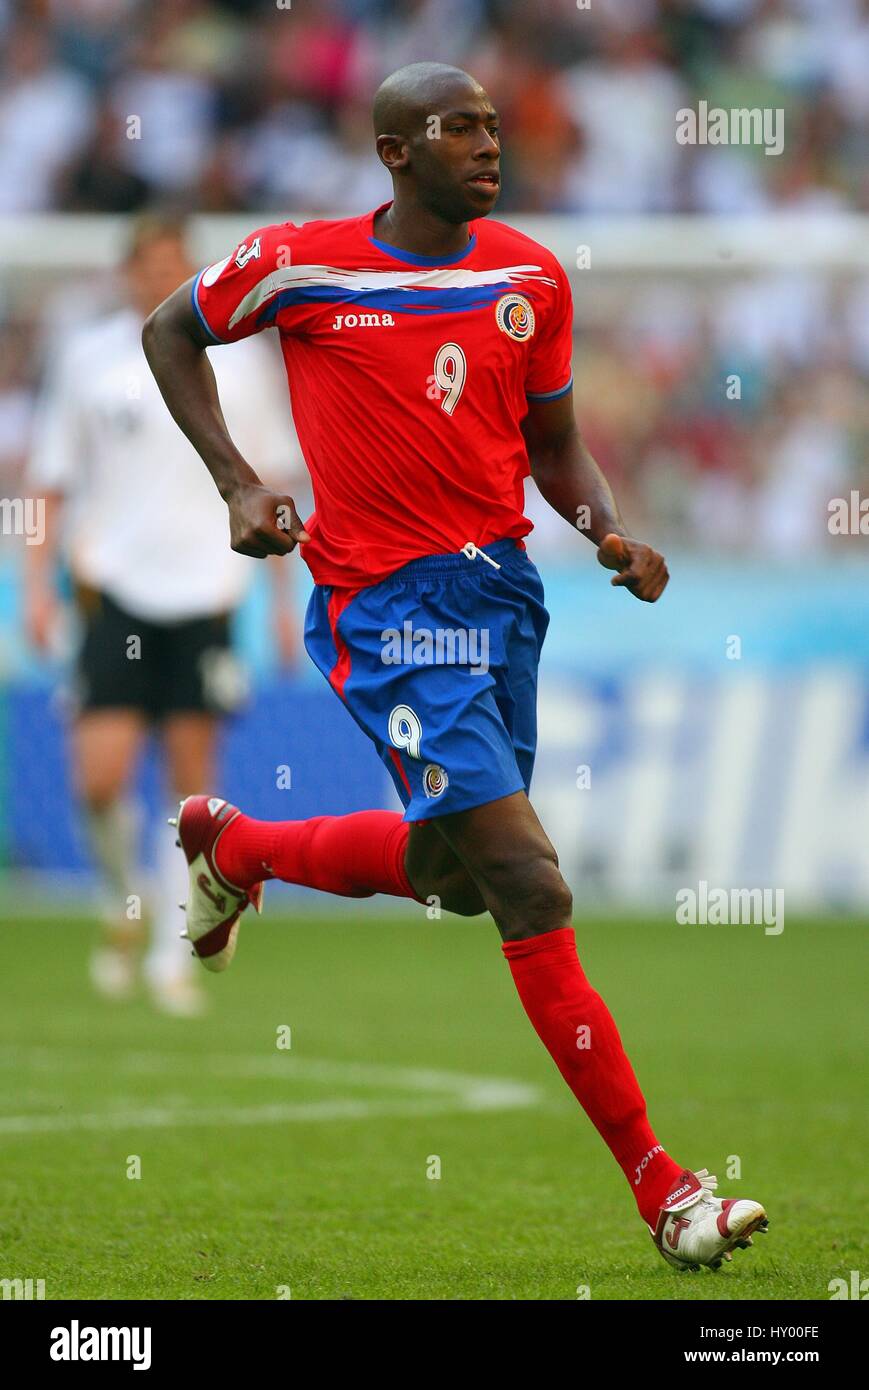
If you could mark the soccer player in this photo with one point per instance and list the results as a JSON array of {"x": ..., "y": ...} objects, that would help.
[
  {"x": 429, "y": 356},
  {"x": 155, "y": 583}
]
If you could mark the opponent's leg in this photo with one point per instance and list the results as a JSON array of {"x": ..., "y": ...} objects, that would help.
[
  {"x": 515, "y": 867},
  {"x": 105, "y": 746},
  {"x": 188, "y": 741}
]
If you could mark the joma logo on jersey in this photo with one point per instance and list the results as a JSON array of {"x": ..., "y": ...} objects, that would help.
[{"x": 362, "y": 321}]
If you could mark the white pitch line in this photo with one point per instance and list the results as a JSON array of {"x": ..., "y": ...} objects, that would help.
[
  {"x": 450, "y": 1092},
  {"x": 277, "y": 1064},
  {"x": 310, "y": 1112}
]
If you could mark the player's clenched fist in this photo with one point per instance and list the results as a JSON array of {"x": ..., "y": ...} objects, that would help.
[
  {"x": 262, "y": 522},
  {"x": 640, "y": 568}
]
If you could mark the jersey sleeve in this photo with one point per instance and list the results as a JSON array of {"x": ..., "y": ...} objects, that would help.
[
  {"x": 550, "y": 370},
  {"x": 241, "y": 294}
]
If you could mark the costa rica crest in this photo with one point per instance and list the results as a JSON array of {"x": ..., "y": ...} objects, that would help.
[
  {"x": 434, "y": 780},
  {"x": 515, "y": 317}
]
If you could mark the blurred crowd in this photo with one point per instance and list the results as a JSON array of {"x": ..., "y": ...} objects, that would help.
[
  {"x": 727, "y": 415},
  {"x": 236, "y": 104},
  {"x": 725, "y": 412}
]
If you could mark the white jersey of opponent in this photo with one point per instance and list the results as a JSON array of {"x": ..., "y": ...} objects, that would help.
[{"x": 144, "y": 521}]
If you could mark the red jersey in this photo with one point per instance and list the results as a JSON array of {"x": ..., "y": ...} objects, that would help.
[{"x": 409, "y": 377}]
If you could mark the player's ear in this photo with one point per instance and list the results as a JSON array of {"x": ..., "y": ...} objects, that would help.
[{"x": 392, "y": 151}]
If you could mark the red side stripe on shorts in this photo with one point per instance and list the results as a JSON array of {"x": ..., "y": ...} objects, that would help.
[
  {"x": 393, "y": 753},
  {"x": 341, "y": 670}
]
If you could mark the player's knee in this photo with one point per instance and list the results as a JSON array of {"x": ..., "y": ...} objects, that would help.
[{"x": 530, "y": 896}]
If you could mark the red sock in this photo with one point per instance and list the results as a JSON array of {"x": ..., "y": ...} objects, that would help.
[
  {"x": 356, "y": 855},
  {"x": 577, "y": 1028}
]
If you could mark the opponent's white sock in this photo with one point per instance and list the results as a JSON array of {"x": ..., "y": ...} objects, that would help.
[
  {"x": 114, "y": 832},
  {"x": 169, "y": 959}
]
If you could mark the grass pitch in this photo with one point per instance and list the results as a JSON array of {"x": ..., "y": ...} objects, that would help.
[{"x": 304, "y": 1172}]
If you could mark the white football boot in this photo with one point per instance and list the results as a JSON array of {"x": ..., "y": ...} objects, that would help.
[
  {"x": 695, "y": 1228},
  {"x": 214, "y": 905}
]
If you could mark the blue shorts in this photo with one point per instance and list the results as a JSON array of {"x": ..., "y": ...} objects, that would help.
[{"x": 438, "y": 666}]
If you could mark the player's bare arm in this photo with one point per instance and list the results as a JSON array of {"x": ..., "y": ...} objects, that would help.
[
  {"x": 575, "y": 487},
  {"x": 261, "y": 522}
]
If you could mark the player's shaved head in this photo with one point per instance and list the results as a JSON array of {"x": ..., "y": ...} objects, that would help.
[
  {"x": 406, "y": 99},
  {"x": 437, "y": 134}
]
